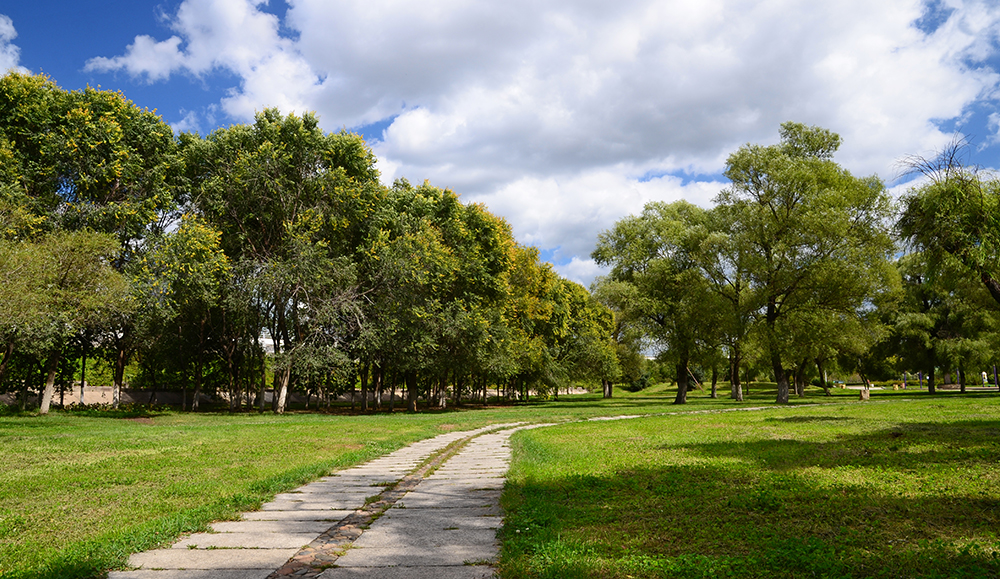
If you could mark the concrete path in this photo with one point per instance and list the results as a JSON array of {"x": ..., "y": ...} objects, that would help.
[{"x": 442, "y": 526}]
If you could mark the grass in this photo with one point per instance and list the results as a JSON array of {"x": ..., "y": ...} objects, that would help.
[
  {"x": 81, "y": 490},
  {"x": 904, "y": 486}
]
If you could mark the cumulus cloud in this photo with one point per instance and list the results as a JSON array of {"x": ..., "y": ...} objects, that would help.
[
  {"x": 10, "y": 54},
  {"x": 235, "y": 36},
  {"x": 556, "y": 114}
]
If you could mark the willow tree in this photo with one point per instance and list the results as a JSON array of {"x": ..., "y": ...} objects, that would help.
[
  {"x": 815, "y": 236},
  {"x": 660, "y": 285},
  {"x": 955, "y": 211}
]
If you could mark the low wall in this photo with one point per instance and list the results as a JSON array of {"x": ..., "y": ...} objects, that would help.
[{"x": 103, "y": 395}]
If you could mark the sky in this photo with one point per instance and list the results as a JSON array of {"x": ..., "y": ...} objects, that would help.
[{"x": 563, "y": 116}]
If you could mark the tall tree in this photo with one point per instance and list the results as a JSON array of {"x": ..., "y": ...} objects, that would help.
[
  {"x": 955, "y": 211},
  {"x": 77, "y": 288},
  {"x": 815, "y": 235},
  {"x": 282, "y": 191},
  {"x": 652, "y": 254},
  {"x": 90, "y": 160}
]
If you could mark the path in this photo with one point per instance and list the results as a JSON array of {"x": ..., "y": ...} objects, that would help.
[{"x": 382, "y": 519}]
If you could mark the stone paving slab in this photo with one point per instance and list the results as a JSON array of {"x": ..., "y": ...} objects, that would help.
[
  {"x": 339, "y": 487},
  {"x": 414, "y": 556},
  {"x": 354, "y": 494},
  {"x": 463, "y": 518},
  {"x": 427, "y": 572},
  {"x": 191, "y": 574},
  {"x": 320, "y": 504},
  {"x": 332, "y": 516},
  {"x": 212, "y": 558},
  {"x": 245, "y": 541},
  {"x": 419, "y": 539},
  {"x": 452, "y": 500},
  {"x": 293, "y": 526}
]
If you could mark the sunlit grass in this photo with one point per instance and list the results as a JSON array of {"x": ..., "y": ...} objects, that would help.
[
  {"x": 80, "y": 491},
  {"x": 885, "y": 489}
]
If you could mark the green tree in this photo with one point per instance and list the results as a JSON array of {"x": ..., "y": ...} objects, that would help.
[
  {"x": 283, "y": 192},
  {"x": 76, "y": 288},
  {"x": 815, "y": 236},
  {"x": 955, "y": 211},
  {"x": 87, "y": 160},
  {"x": 664, "y": 290}
]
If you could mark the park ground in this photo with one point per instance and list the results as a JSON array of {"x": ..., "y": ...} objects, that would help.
[{"x": 903, "y": 485}]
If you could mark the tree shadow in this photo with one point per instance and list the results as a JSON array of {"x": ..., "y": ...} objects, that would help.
[{"x": 887, "y": 503}]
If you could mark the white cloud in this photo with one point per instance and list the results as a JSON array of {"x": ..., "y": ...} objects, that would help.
[
  {"x": 550, "y": 112},
  {"x": 10, "y": 54},
  {"x": 228, "y": 35},
  {"x": 188, "y": 124},
  {"x": 582, "y": 271}
]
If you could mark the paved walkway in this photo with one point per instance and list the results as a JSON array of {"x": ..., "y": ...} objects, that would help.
[{"x": 382, "y": 519}]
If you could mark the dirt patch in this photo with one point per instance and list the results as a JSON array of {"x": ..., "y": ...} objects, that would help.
[
  {"x": 141, "y": 420},
  {"x": 447, "y": 427}
]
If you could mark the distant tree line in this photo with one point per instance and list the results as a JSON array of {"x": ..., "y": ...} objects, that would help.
[
  {"x": 264, "y": 256},
  {"x": 801, "y": 268}
]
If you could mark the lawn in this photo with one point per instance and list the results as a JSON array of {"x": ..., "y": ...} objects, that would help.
[
  {"x": 903, "y": 486},
  {"x": 80, "y": 491}
]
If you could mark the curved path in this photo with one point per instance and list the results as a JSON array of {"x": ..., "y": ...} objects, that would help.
[{"x": 428, "y": 510}]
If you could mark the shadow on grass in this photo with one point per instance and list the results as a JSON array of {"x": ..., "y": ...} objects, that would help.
[{"x": 760, "y": 509}]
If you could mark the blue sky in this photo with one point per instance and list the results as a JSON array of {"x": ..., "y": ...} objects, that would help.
[{"x": 561, "y": 116}]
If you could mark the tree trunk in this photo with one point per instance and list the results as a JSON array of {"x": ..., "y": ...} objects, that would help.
[
  {"x": 197, "y": 384},
  {"x": 363, "y": 376},
  {"x": 735, "y": 387},
  {"x": 152, "y": 395},
  {"x": 961, "y": 378},
  {"x": 800, "y": 379},
  {"x": 715, "y": 381},
  {"x": 608, "y": 387},
  {"x": 781, "y": 377},
  {"x": 822, "y": 377},
  {"x": 992, "y": 285},
  {"x": 282, "y": 397},
  {"x": 411, "y": 391},
  {"x": 83, "y": 373},
  {"x": 263, "y": 384},
  {"x": 459, "y": 386},
  {"x": 51, "y": 369},
  {"x": 681, "y": 374},
  {"x": 121, "y": 358},
  {"x": 392, "y": 392}
]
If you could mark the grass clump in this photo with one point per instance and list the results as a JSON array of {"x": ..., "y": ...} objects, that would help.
[{"x": 900, "y": 489}]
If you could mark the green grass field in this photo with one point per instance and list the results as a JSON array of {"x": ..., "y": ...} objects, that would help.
[
  {"x": 897, "y": 487},
  {"x": 80, "y": 491}
]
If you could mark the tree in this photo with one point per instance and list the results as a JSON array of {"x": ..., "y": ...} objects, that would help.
[
  {"x": 88, "y": 160},
  {"x": 956, "y": 211},
  {"x": 664, "y": 290},
  {"x": 814, "y": 235},
  {"x": 946, "y": 317},
  {"x": 77, "y": 287},
  {"x": 182, "y": 280},
  {"x": 283, "y": 192}
]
